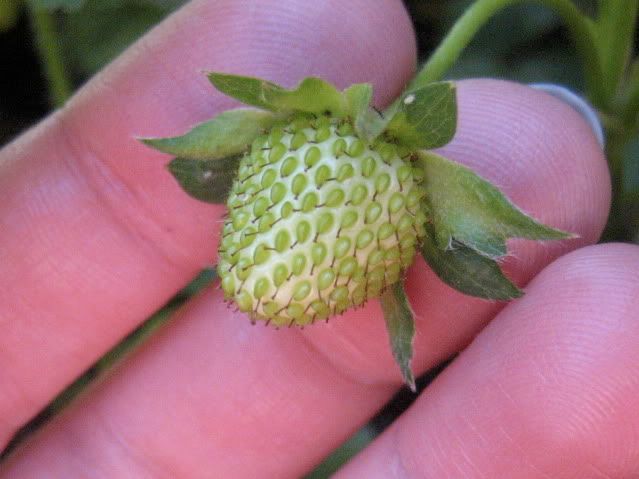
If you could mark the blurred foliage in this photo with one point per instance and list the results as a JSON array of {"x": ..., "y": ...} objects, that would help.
[
  {"x": 68, "y": 5},
  {"x": 99, "y": 30},
  {"x": 92, "y": 32},
  {"x": 9, "y": 10},
  {"x": 340, "y": 456},
  {"x": 524, "y": 43}
]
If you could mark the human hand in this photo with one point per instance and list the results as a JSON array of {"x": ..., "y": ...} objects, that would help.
[{"x": 96, "y": 236}]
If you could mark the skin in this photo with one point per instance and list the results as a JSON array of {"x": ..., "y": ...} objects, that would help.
[{"x": 96, "y": 236}]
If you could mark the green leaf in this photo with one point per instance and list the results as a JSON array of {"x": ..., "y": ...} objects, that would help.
[
  {"x": 227, "y": 134},
  {"x": 401, "y": 328},
  {"x": 427, "y": 117},
  {"x": 206, "y": 180},
  {"x": 312, "y": 95},
  {"x": 468, "y": 209},
  {"x": 467, "y": 271}
]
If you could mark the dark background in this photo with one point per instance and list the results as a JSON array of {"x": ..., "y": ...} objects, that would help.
[{"x": 525, "y": 43}]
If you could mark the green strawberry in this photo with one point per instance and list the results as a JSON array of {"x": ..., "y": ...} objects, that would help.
[
  {"x": 328, "y": 201},
  {"x": 319, "y": 221}
]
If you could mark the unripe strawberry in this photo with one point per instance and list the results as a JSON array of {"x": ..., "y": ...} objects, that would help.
[
  {"x": 328, "y": 205},
  {"x": 318, "y": 221}
]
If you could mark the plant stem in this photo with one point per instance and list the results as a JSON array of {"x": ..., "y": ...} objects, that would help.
[
  {"x": 50, "y": 52},
  {"x": 615, "y": 27},
  {"x": 630, "y": 106},
  {"x": 580, "y": 26}
]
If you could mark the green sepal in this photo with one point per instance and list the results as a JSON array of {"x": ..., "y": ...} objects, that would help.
[
  {"x": 424, "y": 118},
  {"x": 467, "y": 271},
  {"x": 205, "y": 180},
  {"x": 377, "y": 121},
  {"x": 369, "y": 123},
  {"x": 358, "y": 99},
  {"x": 421, "y": 118},
  {"x": 312, "y": 95},
  {"x": 400, "y": 325},
  {"x": 227, "y": 134},
  {"x": 467, "y": 209},
  {"x": 365, "y": 120},
  {"x": 248, "y": 90}
]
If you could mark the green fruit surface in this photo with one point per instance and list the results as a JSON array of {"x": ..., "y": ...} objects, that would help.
[{"x": 318, "y": 222}]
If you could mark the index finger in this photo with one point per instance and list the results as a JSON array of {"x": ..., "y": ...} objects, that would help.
[{"x": 95, "y": 233}]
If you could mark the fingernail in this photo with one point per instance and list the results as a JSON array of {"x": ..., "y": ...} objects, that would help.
[{"x": 578, "y": 103}]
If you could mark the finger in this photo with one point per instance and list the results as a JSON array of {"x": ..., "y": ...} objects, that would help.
[
  {"x": 250, "y": 401},
  {"x": 548, "y": 389},
  {"x": 95, "y": 233}
]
